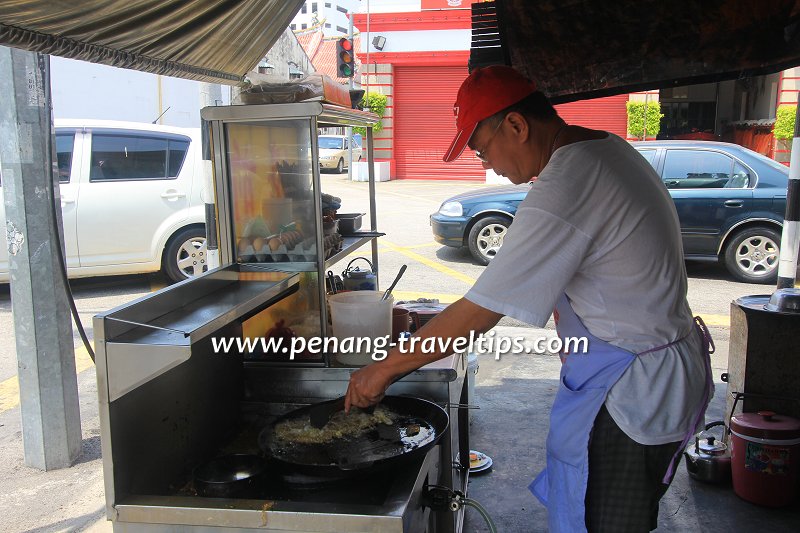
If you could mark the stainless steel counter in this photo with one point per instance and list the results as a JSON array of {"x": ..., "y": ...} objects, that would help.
[{"x": 169, "y": 403}]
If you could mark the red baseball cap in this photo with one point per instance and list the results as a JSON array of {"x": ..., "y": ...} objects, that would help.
[{"x": 486, "y": 91}]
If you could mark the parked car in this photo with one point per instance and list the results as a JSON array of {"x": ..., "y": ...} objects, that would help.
[
  {"x": 130, "y": 199},
  {"x": 333, "y": 152},
  {"x": 730, "y": 201}
]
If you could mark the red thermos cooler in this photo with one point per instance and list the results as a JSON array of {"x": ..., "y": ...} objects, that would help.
[{"x": 765, "y": 457}]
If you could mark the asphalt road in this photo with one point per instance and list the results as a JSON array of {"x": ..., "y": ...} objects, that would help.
[{"x": 72, "y": 499}]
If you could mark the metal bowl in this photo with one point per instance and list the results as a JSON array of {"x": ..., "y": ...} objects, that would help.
[
  {"x": 230, "y": 476},
  {"x": 784, "y": 301}
]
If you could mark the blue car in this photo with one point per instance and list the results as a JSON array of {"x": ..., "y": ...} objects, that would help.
[{"x": 730, "y": 200}]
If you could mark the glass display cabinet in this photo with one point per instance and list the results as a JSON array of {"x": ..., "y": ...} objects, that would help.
[{"x": 273, "y": 216}]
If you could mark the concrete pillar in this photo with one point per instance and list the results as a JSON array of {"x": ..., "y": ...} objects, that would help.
[
  {"x": 51, "y": 428},
  {"x": 764, "y": 357}
]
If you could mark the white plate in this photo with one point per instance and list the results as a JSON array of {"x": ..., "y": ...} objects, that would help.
[
  {"x": 484, "y": 462},
  {"x": 483, "y": 468}
]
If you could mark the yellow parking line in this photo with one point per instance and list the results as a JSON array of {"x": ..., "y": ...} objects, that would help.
[
  {"x": 9, "y": 388},
  {"x": 427, "y": 262},
  {"x": 82, "y": 359},
  {"x": 714, "y": 320},
  {"x": 9, "y": 394}
]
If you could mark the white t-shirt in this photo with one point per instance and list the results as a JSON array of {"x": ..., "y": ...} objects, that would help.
[{"x": 599, "y": 224}]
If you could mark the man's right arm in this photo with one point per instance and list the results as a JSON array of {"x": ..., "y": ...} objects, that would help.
[{"x": 368, "y": 385}]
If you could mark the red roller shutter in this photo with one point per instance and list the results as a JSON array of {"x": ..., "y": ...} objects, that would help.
[
  {"x": 424, "y": 124},
  {"x": 600, "y": 113}
]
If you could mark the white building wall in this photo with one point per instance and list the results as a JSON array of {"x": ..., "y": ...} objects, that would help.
[
  {"x": 419, "y": 41},
  {"x": 391, "y": 6},
  {"x": 83, "y": 90},
  {"x": 327, "y": 16},
  {"x": 88, "y": 90}
]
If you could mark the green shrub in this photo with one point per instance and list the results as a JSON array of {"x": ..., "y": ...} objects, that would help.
[
  {"x": 784, "y": 122},
  {"x": 636, "y": 118},
  {"x": 376, "y": 103}
]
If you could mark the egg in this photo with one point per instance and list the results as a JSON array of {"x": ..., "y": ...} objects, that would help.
[
  {"x": 243, "y": 244},
  {"x": 274, "y": 243},
  {"x": 258, "y": 244}
]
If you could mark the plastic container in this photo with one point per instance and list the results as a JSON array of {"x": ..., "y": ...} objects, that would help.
[
  {"x": 349, "y": 223},
  {"x": 765, "y": 456},
  {"x": 360, "y": 314}
]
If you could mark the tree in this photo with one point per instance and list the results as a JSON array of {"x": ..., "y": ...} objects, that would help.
[
  {"x": 376, "y": 103},
  {"x": 784, "y": 122},
  {"x": 636, "y": 118}
]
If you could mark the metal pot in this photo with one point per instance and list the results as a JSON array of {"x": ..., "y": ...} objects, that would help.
[{"x": 708, "y": 458}]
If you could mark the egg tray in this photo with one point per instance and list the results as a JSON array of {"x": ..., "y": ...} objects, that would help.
[
  {"x": 304, "y": 251},
  {"x": 281, "y": 254}
]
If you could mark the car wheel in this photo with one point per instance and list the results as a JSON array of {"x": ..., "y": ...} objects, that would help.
[
  {"x": 340, "y": 166},
  {"x": 486, "y": 238},
  {"x": 752, "y": 255},
  {"x": 185, "y": 255}
]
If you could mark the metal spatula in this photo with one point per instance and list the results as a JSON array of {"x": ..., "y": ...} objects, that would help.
[{"x": 322, "y": 414}]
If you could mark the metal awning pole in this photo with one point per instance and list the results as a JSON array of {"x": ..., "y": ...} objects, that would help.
[
  {"x": 348, "y": 131},
  {"x": 790, "y": 238}
]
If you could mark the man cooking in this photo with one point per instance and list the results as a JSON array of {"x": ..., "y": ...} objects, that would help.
[{"x": 596, "y": 243}]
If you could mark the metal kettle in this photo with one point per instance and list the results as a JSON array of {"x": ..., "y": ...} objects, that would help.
[
  {"x": 708, "y": 459},
  {"x": 357, "y": 279}
]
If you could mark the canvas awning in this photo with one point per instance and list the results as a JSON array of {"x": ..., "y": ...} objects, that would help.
[
  {"x": 580, "y": 49},
  {"x": 207, "y": 40}
]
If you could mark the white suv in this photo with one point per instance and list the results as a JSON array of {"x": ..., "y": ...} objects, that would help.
[{"x": 130, "y": 199}]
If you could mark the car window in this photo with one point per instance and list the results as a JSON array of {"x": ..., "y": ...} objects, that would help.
[
  {"x": 650, "y": 155},
  {"x": 740, "y": 178},
  {"x": 135, "y": 157},
  {"x": 65, "y": 143},
  {"x": 177, "y": 155},
  {"x": 697, "y": 169},
  {"x": 331, "y": 143}
]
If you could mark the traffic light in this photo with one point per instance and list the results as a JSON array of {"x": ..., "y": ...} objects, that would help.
[{"x": 345, "y": 58}]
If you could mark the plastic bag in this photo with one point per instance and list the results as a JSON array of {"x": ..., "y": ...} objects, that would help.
[{"x": 312, "y": 87}]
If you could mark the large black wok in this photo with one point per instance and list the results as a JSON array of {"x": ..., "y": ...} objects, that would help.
[{"x": 418, "y": 427}]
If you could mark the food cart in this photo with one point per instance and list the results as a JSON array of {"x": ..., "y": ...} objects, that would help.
[{"x": 171, "y": 400}]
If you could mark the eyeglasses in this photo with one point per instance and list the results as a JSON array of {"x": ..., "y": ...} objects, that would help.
[{"x": 481, "y": 154}]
